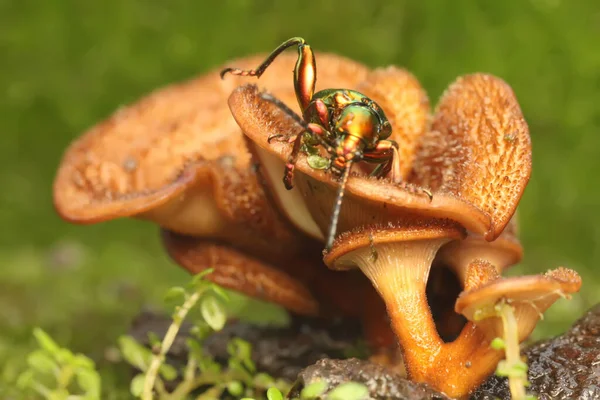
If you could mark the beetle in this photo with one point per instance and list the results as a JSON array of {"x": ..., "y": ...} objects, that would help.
[{"x": 347, "y": 124}]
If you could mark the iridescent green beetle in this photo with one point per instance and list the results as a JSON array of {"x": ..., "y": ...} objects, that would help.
[{"x": 350, "y": 126}]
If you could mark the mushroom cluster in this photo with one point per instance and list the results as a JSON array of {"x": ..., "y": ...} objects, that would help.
[
  {"x": 474, "y": 157},
  {"x": 212, "y": 182}
]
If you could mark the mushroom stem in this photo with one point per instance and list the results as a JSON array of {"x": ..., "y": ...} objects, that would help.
[{"x": 399, "y": 272}]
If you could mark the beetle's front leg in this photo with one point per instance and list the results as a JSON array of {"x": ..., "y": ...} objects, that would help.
[
  {"x": 316, "y": 130},
  {"x": 386, "y": 154}
]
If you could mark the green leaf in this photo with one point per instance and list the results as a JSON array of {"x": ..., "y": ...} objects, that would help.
[
  {"x": 239, "y": 348},
  {"x": 274, "y": 394},
  {"x": 263, "y": 380},
  {"x": 313, "y": 390},
  {"x": 235, "y": 388},
  {"x": 175, "y": 294},
  {"x": 213, "y": 312},
  {"x": 84, "y": 362},
  {"x": 349, "y": 391},
  {"x": 317, "y": 162},
  {"x": 198, "y": 279},
  {"x": 40, "y": 361},
  {"x": 137, "y": 385},
  {"x": 168, "y": 372},
  {"x": 134, "y": 353},
  {"x": 498, "y": 344},
  {"x": 220, "y": 292},
  {"x": 65, "y": 356},
  {"x": 25, "y": 380},
  {"x": 45, "y": 341},
  {"x": 89, "y": 381}
]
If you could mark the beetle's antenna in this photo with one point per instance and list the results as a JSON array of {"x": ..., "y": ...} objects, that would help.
[{"x": 337, "y": 207}]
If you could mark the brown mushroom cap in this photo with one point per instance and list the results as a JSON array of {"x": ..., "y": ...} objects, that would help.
[
  {"x": 238, "y": 271},
  {"x": 478, "y": 148},
  {"x": 468, "y": 127},
  {"x": 178, "y": 158},
  {"x": 162, "y": 157},
  {"x": 531, "y": 296},
  {"x": 259, "y": 119}
]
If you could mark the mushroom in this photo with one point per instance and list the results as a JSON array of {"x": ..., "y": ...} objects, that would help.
[
  {"x": 177, "y": 158},
  {"x": 503, "y": 252},
  {"x": 530, "y": 295},
  {"x": 509, "y": 309},
  {"x": 448, "y": 275},
  {"x": 476, "y": 161},
  {"x": 452, "y": 161}
]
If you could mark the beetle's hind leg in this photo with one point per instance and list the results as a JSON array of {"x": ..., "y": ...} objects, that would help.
[
  {"x": 386, "y": 153},
  {"x": 295, "y": 41},
  {"x": 305, "y": 72},
  {"x": 316, "y": 130}
]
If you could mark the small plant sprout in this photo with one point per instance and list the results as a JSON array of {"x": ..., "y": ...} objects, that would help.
[
  {"x": 512, "y": 367},
  {"x": 214, "y": 315},
  {"x": 55, "y": 373},
  {"x": 239, "y": 377}
]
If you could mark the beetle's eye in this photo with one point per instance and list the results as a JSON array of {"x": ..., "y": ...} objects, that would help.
[{"x": 385, "y": 129}]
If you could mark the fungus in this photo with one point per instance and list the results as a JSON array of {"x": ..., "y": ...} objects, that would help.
[
  {"x": 164, "y": 157},
  {"x": 475, "y": 174},
  {"x": 177, "y": 158},
  {"x": 530, "y": 296}
]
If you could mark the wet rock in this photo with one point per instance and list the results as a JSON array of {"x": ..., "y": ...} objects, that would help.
[
  {"x": 381, "y": 383},
  {"x": 566, "y": 367},
  {"x": 280, "y": 352}
]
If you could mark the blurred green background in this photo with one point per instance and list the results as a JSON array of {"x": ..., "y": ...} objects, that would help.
[{"x": 67, "y": 64}]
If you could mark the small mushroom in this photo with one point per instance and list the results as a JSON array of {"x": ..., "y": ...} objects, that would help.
[
  {"x": 530, "y": 295},
  {"x": 503, "y": 252},
  {"x": 397, "y": 259},
  {"x": 235, "y": 269}
]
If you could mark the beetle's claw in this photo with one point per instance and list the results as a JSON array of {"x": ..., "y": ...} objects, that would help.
[{"x": 225, "y": 71}]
